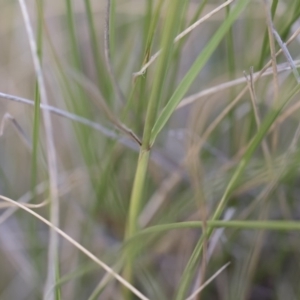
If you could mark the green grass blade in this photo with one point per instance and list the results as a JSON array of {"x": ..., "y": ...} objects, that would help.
[
  {"x": 169, "y": 33},
  {"x": 150, "y": 26},
  {"x": 36, "y": 133},
  {"x": 265, "y": 46},
  {"x": 251, "y": 225},
  {"x": 140, "y": 83},
  {"x": 102, "y": 78},
  {"x": 195, "y": 69},
  {"x": 112, "y": 30},
  {"x": 37, "y": 100}
]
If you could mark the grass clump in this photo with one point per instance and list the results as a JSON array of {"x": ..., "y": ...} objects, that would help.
[{"x": 158, "y": 143}]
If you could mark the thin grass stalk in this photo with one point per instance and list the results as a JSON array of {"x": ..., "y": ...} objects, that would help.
[
  {"x": 139, "y": 84},
  {"x": 107, "y": 51},
  {"x": 34, "y": 242},
  {"x": 274, "y": 66},
  {"x": 52, "y": 165},
  {"x": 112, "y": 28},
  {"x": 102, "y": 79},
  {"x": 140, "y": 175},
  {"x": 72, "y": 32},
  {"x": 180, "y": 36},
  {"x": 276, "y": 225},
  {"x": 265, "y": 44},
  {"x": 253, "y": 97},
  {"x": 207, "y": 282},
  {"x": 177, "y": 57},
  {"x": 153, "y": 22},
  {"x": 231, "y": 69},
  {"x": 286, "y": 27},
  {"x": 78, "y": 246},
  {"x": 37, "y": 100},
  {"x": 75, "y": 96},
  {"x": 254, "y": 255}
]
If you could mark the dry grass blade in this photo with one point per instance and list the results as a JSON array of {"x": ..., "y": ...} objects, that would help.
[
  {"x": 287, "y": 54},
  {"x": 229, "y": 107},
  {"x": 42, "y": 204},
  {"x": 78, "y": 246},
  {"x": 17, "y": 126},
  {"x": 253, "y": 98},
  {"x": 221, "y": 87},
  {"x": 104, "y": 281},
  {"x": 158, "y": 198},
  {"x": 292, "y": 109},
  {"x": 191, "y": 297},
  {"x": 51, "y": 155},
  {"x": 273, "y": 32},
  {"x": 276, "y": 176},
  {"x": 196, "y": 24},
  {"x": 62, "y": 113},
  {"x": 41, "y": 188},
  {"x": 130, "y": 143},
  {"x": 66, "y": 182},
  {"x": 99, "y": 101},
  {"x": 181, "y": 35}
]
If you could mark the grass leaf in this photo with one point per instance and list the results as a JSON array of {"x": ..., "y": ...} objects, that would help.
[{"x": 195, "y": 69}]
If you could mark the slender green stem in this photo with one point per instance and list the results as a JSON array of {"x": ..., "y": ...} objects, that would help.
[
  {"x": 112, "y": 24},
  {"x": 169, "y": 32},
  {"x": 102, "y": 78},
  {"x": 37, "y": 100},
  {"x": 231, "y": 69},
  {"x": 265, "y": 48},
  {"x": 137, "y": 192},
  {"x": 234, "y": 224},
  {"x": 167, "y": 45}
]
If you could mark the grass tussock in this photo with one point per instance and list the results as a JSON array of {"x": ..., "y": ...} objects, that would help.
[{"x": 149, "y": 149}]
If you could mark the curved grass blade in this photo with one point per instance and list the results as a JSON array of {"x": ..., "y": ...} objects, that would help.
[{"x": 251, "y": 225}]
